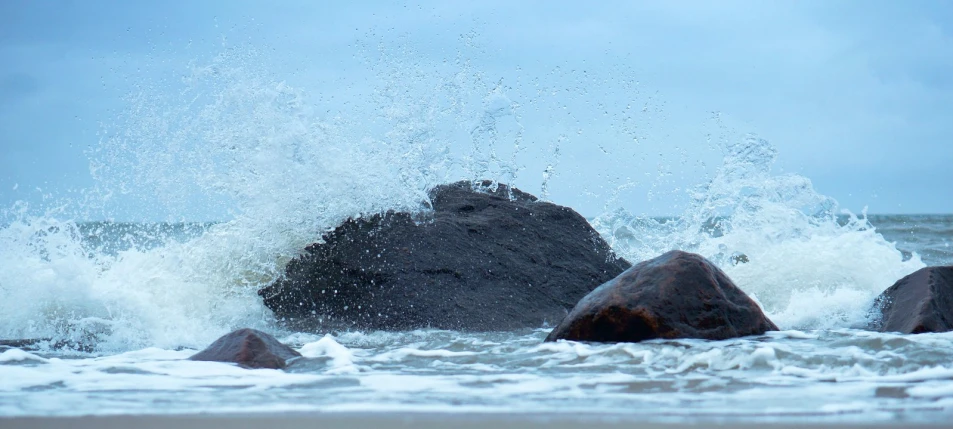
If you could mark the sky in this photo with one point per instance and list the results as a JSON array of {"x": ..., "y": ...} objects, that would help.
[{"x": 857, "y": 96}]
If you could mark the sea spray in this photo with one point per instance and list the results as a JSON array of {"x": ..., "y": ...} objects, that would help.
[
  {"x": 56, "y": 288},
  {"x": 228, "y": 142},
  {"x": 231, "y": 143},
  {"x": 779, "y": 239}
]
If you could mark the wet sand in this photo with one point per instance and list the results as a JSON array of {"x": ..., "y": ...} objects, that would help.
[{"x": 405, "y": 420}]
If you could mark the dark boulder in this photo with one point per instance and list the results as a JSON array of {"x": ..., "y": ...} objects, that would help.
[
  {"x": 250, "y": 348},
  {"x": 486, "y": 258},
  {"x": 920, "y": 302},
  {"x": 676, "y": 295}
]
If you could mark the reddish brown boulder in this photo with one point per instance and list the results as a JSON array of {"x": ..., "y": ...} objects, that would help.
[
  {"x": 249, "y": 348},
  {"x": 676, "y": 295},
  {"x": 920, "y": 302}
]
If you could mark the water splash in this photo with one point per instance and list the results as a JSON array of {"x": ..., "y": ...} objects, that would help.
[
  {"x": 231, "y": 143},
  {"x": 808, "y": 265}
]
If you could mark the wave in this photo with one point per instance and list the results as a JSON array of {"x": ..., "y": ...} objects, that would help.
[
  {"x": 234, "y": 142},
  {"x": 808, "y": 264}
]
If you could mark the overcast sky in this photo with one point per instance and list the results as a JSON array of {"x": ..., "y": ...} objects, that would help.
[{"x": 855, "y": 95}]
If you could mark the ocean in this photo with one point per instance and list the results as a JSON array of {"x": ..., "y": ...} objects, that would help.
[
  {"x": 819, "y": 367},
  {"x": 113, "y": 309}
]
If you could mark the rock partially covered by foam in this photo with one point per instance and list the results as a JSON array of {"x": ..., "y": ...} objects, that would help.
[
  {"x": 250, "y": 348},
  {"x": 489, "y": 258},
  {"x": 676, "y": 295},
  {"x": 920, "y": 302}
]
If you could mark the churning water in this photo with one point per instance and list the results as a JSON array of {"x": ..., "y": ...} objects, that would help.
[{"x": 135, "y": 299}]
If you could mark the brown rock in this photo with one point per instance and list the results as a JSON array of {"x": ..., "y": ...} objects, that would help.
[
  {"x": 920, "y": 302},
  {"x": 676, "y": 295},
  {"x": 249, "y": 348}
]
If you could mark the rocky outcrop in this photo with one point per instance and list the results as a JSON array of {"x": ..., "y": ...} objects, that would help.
[
  {"x": 676, "y": 295},
  {"x": 920, "y": 302},
  {"x": 487, "y": 258},
  {"x": 250, "y": 348}
]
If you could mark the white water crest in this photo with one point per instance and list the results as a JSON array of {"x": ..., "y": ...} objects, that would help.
[
  {"x": 231, "y": 142},
  {"x": 780, "y": 240}
]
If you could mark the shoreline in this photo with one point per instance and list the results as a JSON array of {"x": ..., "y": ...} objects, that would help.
[{"x": 424, "y": 420}]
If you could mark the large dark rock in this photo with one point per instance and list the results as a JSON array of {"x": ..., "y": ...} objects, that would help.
[
  {"x": 249, "y": 348},
  {"x": 486, "y": 259},
  {"x": 920, "y": 302},
  {"x": 676, "y": 295}
]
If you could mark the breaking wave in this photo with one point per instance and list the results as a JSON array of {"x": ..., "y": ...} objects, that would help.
[{"x": 230, "y": 143}]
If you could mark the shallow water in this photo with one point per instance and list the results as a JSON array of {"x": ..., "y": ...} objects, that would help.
[{"x": 819, "y": 375}]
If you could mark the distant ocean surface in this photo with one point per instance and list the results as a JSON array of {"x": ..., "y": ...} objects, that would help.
[{"x": 930, "y": 236}]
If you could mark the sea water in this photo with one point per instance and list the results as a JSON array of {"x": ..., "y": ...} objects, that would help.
[{"x": 118, "y": 307}]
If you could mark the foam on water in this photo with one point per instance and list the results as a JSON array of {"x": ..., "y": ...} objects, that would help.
[{"x": 838, "y": 374}]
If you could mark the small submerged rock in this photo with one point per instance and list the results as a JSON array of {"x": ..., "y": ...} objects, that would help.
[
  {"x": 920, "y": 302},
  {"x": 249, "y": 348},
  {"x": 676, "y": 295},
  {"x": 738, "y": 258}
]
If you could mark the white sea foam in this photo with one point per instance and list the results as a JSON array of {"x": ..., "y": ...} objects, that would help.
[
  {"x": 342, "y": 358},
  {"x": 177, "y": 294},
  {"x": 17, "y": 355},
  {"x": 786, "y": 375}
]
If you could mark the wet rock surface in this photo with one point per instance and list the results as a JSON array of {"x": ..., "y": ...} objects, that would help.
[
  {"x": 492, "y": 258},
  {"x": 676, "y": 295},
  {"x": 250, "y": 348},
  {"x": 920, "y": 302}
]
